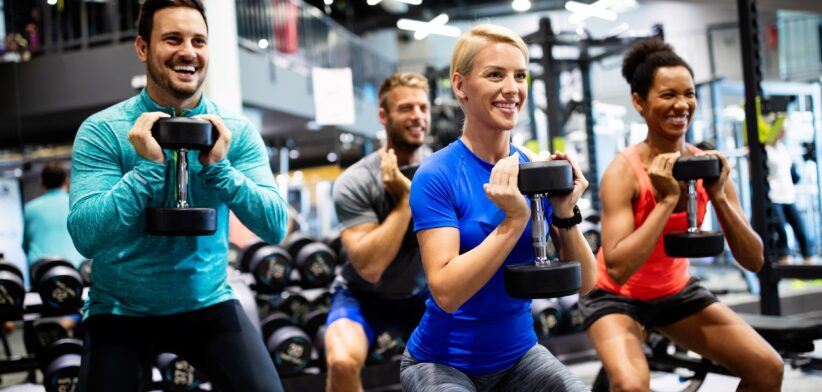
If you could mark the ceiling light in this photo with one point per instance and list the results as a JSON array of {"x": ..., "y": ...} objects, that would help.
[
  {"x": 422, "y": 29},
  {"x": 582, "y": 11},
  {"x": 412, "y": 2},
  {"x": 328, "y": 2},
  {"x": 263, "y": 43},
  {"x": 521, "y": 5}
]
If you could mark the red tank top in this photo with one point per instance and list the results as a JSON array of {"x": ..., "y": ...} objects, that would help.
[{"x": 660, "y": 275}]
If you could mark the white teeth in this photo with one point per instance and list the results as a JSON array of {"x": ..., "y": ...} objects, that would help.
[
  {"x": 184, "y": 68},
  {"x": 510, "y": 105}
]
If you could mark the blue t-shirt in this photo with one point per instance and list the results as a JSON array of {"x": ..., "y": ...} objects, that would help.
[
  {"x": 45, "y": 232},
  {"x": 491, "y": 330}
]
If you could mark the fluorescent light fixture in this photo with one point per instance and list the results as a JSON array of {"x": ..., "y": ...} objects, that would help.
[
  {"x": 423, "y": 29},
  {"x": 52, "y": 2},
  {"x": 521, "y": 5},
  {"x": 263, "y": 43},
  {"x": 411, "y": 2},
  {"x": 328, "y": 2},
  {"x": 595, "y": 9}
]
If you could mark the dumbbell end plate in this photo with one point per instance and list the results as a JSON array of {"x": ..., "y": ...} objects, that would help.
[
  {"x": 698, "y": 244},
  {"x": 181, "y": 221},
  {"x": 543, "y": 281}
]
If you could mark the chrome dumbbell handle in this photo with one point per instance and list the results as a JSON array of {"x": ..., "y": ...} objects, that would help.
[
  {"x": 182, "y": 178},
  {"x": 538, "y": 231},
  {"x": 692, "y": 226}
]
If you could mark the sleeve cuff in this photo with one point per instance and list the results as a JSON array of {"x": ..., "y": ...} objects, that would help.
[{"x": 216, "y": 170}]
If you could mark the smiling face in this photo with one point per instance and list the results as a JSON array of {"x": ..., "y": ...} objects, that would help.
[
  {"x": 176, "y": 57},
  {"x": 669, "y": 107},
  {"x": 406, "y": 117},
  {"x": 495, "y": 90}
]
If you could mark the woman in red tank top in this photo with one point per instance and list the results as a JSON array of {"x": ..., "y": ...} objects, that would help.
[{"x": 638, "y": 285}]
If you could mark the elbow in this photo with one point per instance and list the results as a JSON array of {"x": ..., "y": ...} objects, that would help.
[
  {"x": 370, "y": 276},
  {"x": 618, "y": 276},
  {"x": 444, "y": 301}
]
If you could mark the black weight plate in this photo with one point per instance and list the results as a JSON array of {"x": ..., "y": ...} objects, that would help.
[
  {"x": 543, "y": 281},
  {"x": 387, "y": 344},
  {"x": 548, "y": 317},
  {"x": 296, "y": 241},
  {"x": 183, "y": 132},
  {"x": 698, "y": 244},
  {"x": 696, "y": 167},
  {"x": 12, "y": 292},
  {"x": 545, "y": 177},
  {"x": 271, "y": 267},
  {"x": 61, "y": 290},
  {"x": 316, "y": 262},
  {"x": 248, "y": 252},
  {"x": 181, "y": 221},
  {"x": 43, "y": 265},
  {"x": 62, "y": 374},
  {"x": 290, "y": 349}
]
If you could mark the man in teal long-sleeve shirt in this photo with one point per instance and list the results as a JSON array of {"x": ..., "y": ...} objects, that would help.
[
  {"x": 45, "y": 233},
  {"x": 154, "y": 293}
]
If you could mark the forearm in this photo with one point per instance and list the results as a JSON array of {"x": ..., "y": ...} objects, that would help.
[
  {"x": 574, "y": 247},
  {"x": 99, "y": 217},
  {"x": 745, "y": 244},
  {"x": 627, "y": 256},
  {"x": 375, "y": 251},
  {"x": 260, "y": 207},
  {"x": 463, "y": 276}
]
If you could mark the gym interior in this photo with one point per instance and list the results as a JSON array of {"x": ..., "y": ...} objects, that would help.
[{"x": 306, "y": 76}]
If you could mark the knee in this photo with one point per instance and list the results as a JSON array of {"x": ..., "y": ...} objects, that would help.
[
  {"x": 767, "y": 374},
  {"x": 630, "y": 384},
  {"x": 343, "y": 365}
]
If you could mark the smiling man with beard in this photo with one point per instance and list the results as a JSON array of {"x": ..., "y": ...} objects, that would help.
[
  {"x": 382, "y": 284},
  {"x": 155, "y": 294}
]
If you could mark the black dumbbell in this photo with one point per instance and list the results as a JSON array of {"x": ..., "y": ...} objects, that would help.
[
  {"x": 548, "y": 317},
  {"x": 41, "y": 333},
  {"x": 12, "y": 291},
  {"x": 695, "y": 242},
  {"x": 288, "y": 346},
  {"x": 59, "y": 285},
  {"x": 545, "y": 278},
  {"x": 61, "y": 365},
  {"x": 182, "y": 134},
  {"x": 312, "y": 320},
  {"x": 85, "y": 272},
  {"x": 291, "y": 303},
  {"x": 177, "y": 374},
  {"x": 270, "y": 265},
  {"x": 387, "y": 344},
  {"x": 314, "y": 259}
]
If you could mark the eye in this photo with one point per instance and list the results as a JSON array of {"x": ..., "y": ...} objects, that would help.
[
  {"x": 495, "y": 74},
  {"x": 521, "y": 75}
]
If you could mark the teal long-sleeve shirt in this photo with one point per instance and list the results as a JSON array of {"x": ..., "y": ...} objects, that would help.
[{"x": 137, "y": 274}]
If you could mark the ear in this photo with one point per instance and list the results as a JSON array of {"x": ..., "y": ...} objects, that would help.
[
  {"x": 638, "y": 102},
  {"x": 458, "y": 85},
  {"x": 383, "y": 116},
  {"x": 141, "y": 47}
]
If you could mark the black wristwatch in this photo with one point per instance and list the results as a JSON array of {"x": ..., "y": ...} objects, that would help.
[{"x": 567, "y": 223}]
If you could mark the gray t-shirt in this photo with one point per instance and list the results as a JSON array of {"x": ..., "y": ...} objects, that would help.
[{"x": 360, "y": 197}]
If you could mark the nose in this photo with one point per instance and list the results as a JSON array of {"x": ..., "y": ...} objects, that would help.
[
  {"x": 187, "y": 50},
  {"x": 510, "y": 86}
]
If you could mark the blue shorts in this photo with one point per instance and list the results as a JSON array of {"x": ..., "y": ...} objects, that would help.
[{"x": 377, "y": 314}]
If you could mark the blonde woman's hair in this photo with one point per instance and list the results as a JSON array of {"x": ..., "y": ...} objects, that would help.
[{"x": 472, "y": 41}]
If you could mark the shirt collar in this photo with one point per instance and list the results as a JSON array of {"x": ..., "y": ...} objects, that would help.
[{"x": 151, "y": 106}]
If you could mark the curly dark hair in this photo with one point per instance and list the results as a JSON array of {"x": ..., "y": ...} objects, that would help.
[
  {"x": 145, "y": 21},
  {"x": 642, "y": 61}
]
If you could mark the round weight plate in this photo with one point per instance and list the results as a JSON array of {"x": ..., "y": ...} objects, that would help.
[
  {"x": 387, "y": 344},
  {"x": 12, "y": 292},
  {"x": 43, "y": 265},
  {"x": 696, "y": 167},
  {"x": 271, "y": 267},
  {"x": 248, "y": 252},
  {"x": 290, "y": 349},
  {"x": 181, "y": 221},
  {"x": 547, "y": 317},
  {"x": 316, "y": 263},
  {"x": 312, "y": 320},
  {"x": 296, "y": 241},
  {"x": 183, "y": 132},
  {"x": 545, "y": 177},
  {"x": 41, "y": 335},
  {"x": 178, "y": 374},
  {"x": 62, "y": 374},
  {"x": 698, "y": 244},
  {"x": 61, "y": 290},
  {"x": 543, "y": 281}
]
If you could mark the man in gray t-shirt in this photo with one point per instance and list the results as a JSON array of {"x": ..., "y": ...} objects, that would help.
[{"x": 382, "y": 283}]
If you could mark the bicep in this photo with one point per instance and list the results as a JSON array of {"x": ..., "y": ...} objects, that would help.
[
  {"x": 351, "y": 236},
  {"x": 438, "y": 246}
]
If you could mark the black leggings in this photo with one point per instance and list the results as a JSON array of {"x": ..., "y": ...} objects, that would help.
[{"x": 220, "y": 341}]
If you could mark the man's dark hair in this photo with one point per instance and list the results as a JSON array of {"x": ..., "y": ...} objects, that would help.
[
  {"x": 643, "y": 59},
  {"x": 150, "y": 7},
  {"x": 53, "y": 175}
]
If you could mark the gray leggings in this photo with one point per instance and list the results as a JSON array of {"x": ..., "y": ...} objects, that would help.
[{"x": 537, "y": 370}]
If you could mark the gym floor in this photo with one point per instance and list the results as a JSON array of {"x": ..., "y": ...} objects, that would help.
[{"x": 794, "y": 381}]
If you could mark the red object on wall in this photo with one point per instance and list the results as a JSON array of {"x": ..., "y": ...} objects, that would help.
[
  {"x": 771, "y": 36},
  {"x": 286, "y": 19}
]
